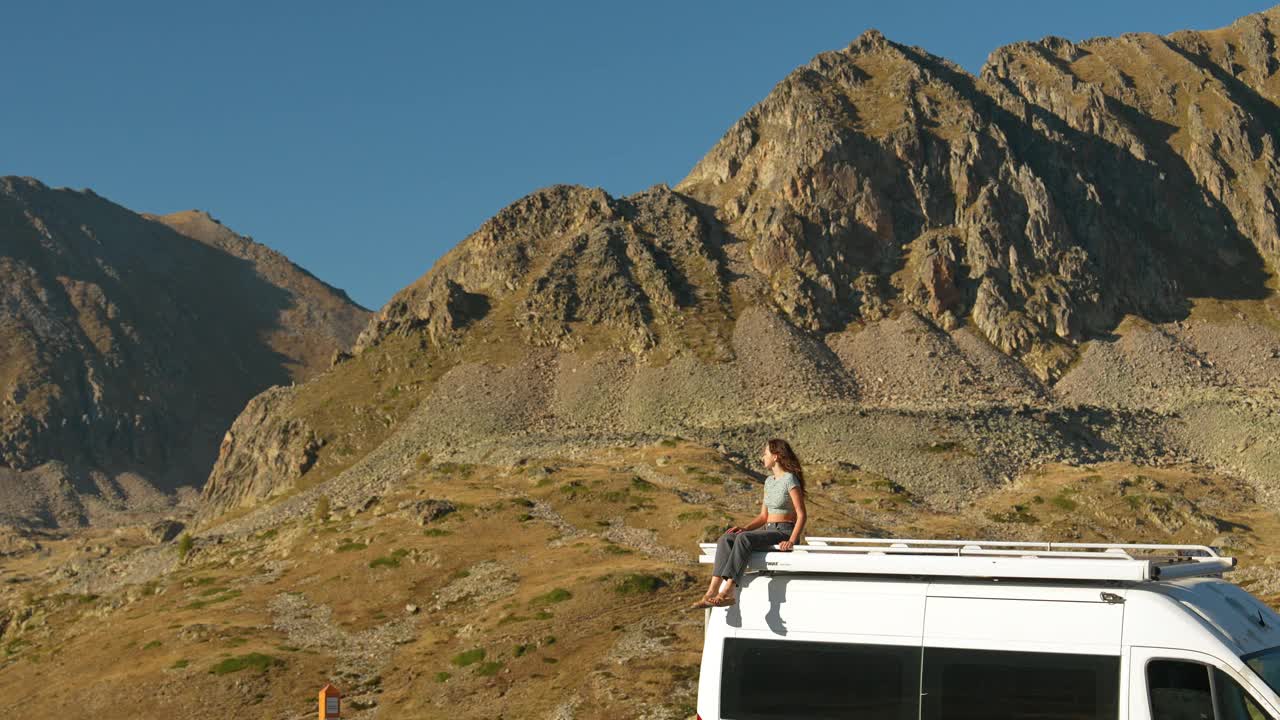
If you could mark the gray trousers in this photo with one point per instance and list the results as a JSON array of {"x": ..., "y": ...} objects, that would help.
[{"x": 733, "y": 550}]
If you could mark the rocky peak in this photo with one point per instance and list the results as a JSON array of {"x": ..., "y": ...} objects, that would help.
[
  {"x": 1035, "y": 201},
  {"x": 619, "y": 271}
]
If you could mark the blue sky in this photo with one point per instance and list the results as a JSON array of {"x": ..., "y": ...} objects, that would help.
[{"x": 364, "y": 140}]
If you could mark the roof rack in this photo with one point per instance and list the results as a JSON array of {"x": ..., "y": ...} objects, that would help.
[{"x": 991, "y": 559}]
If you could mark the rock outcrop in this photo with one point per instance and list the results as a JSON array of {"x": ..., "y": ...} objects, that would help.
[{"x": 265, "y": 452}]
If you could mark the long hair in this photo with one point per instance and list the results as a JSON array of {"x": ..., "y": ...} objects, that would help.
[{"x": 787, "y": 459}]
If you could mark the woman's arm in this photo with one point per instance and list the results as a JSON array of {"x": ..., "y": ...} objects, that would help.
[
  {"x": 756, "y": 521},
  {"x": 797, "y": 500}
]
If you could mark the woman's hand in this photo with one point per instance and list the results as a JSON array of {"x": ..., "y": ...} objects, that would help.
[
  {"x": 785, "y": 546},
  {"x": 735, "y": 530}
]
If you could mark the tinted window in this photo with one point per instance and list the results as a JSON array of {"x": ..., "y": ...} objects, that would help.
[
  {"x": 1179, "y": 690},
  {"x": 1233, "y": 702},
  {"x": 1267, "y": 665},
  {"x": 995, "y": 685},
  {"x": 774, "y": 679}
]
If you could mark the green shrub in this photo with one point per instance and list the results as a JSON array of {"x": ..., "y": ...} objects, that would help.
[
  {"x": 557, "y": 595},
  {"x": 435, "y": 532},
  {"x": 452, "y": 468},
  {"x": 184, "y": 546},
  {"x": 1019, "y": 514},
  {"x": 152, "y": 645},
  {"x": 712, "y": 533},
  {"x": 489, "y": 668},
  {"x": 1063, "y": 502},
  {"x": 637, "y": 583},
  {"x": 321, "y": 510},
  {"x": 252, "y": 661},
  {"x": 351, "y": 546},
  {"x": 468, "y": 657},
  {"x": 179, "y": 664},
  {"x": 573, "y": 488},
  {"x": 888, "y": 486},
  {"x": 442, "y": 676},
  {"x": 388, "y": 561}
]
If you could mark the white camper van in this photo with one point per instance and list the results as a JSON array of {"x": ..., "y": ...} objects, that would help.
[{"x": 980, "y": 630}]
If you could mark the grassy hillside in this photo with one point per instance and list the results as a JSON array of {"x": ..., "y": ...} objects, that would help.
[{"x": 551, "y": 589}]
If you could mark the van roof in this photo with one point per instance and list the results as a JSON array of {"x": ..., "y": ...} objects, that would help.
[{"x": 1101, "y": 562}]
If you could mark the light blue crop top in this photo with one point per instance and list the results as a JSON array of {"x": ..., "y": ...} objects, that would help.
[{"x": 777, "y": 494}]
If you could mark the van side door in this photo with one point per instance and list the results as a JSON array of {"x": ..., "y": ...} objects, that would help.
[
  {"x": 1175, "y": 684},
  {"x": 1009, "y": 651}
]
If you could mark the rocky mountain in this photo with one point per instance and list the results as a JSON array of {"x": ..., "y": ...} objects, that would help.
[
  {"x": 128, "y": 344},
  {"x": 1037, "y": 303},
  {"x": 1069, "y": 257}
]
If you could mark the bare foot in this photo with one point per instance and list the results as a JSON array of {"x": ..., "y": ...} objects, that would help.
[{"x": 706, "y": 602}]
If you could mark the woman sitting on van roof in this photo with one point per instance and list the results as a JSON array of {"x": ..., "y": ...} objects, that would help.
[{"x": 781, "y": 521}]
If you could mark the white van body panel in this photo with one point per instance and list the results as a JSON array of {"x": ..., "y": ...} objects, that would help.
[
  {"x": 1088, "y": 628},
  {"x": 834, "y": 609},
  {"x": 817, "y": 608},
  {"x": 1203, "y": 618}
]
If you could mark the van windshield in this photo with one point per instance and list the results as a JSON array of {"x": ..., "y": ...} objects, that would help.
[{"x": 1266, "y": 663}]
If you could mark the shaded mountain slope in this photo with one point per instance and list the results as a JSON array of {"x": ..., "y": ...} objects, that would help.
[{"x": 128, "y": 343}]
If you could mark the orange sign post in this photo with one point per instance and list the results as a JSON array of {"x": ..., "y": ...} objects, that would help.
[{"x": 330, "y": 700}]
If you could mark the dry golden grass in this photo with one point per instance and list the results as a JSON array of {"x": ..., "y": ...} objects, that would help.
[{"x": 156, "y": 649}]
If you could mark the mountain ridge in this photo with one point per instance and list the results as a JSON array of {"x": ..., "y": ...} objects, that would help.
[
  {"x": 130, "y": 342},
  {"x": 992, "y": 233}
]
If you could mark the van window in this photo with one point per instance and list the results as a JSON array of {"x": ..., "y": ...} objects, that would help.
[
  {"x": 775, "y": 679},
  {"x": 1233, "y": 702},
  {"x": 1182, "y": 690},
  {"x": 1000, "y": 685},
  {"x": 1266, "y": 663},
  {"x": 1179, "y": 690}
]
